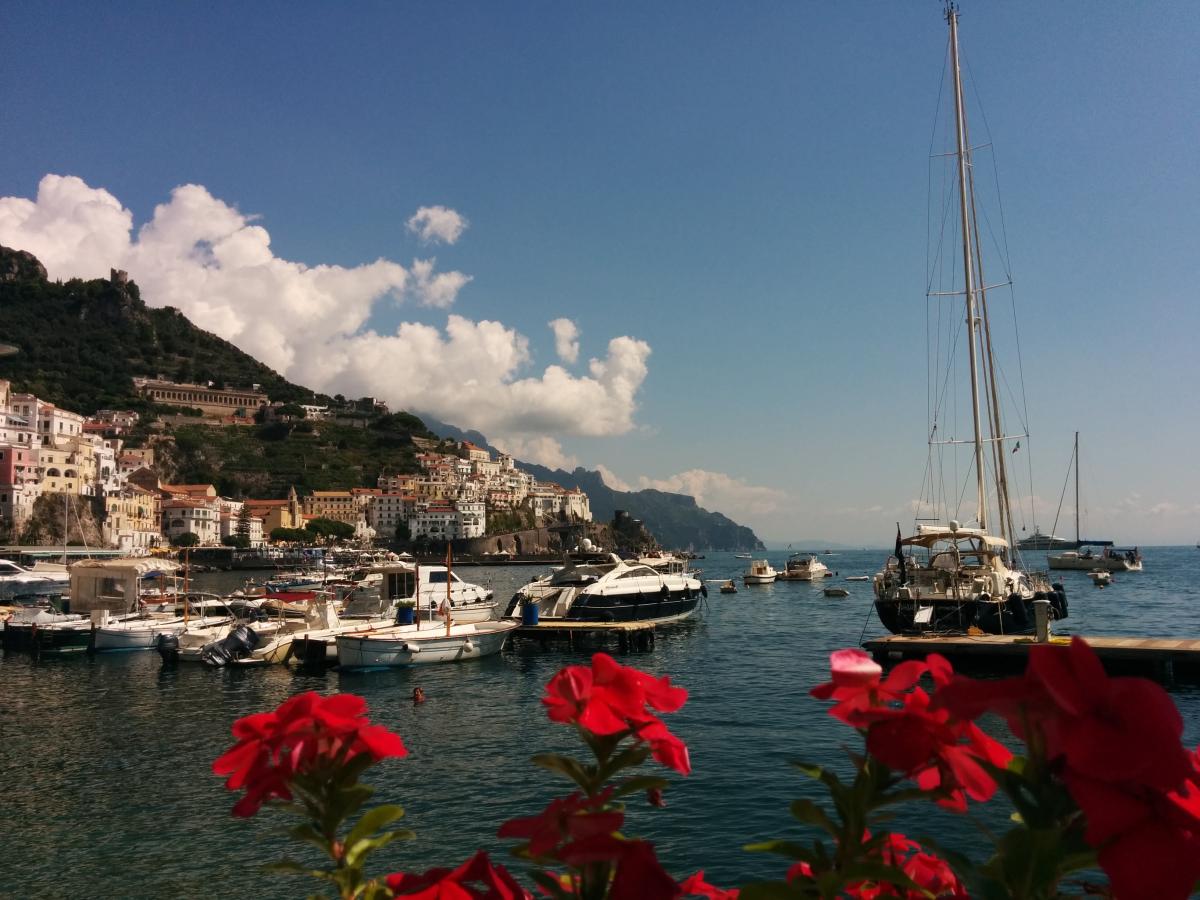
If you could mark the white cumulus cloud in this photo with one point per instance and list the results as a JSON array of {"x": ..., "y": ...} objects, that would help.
[
  {"x": 437, "y": 224},
  {"x": 438, "y": 289},
  {"x": 612, "y": 479},
  {"x": 566, "y": 340},
  {"x": 311, "y": 323},
  {"x": 540, "y": 450},
  {"x": 715, "y": 491}
]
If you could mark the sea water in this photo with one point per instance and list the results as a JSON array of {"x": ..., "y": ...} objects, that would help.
[{"x": 105, "y": 761}]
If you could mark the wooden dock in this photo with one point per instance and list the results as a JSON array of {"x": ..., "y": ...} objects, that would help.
[
  {"x": 630, "y": 635},
  {"x": 1168, "y": 660}
]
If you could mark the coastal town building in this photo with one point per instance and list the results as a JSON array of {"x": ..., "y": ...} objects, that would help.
[
  {"x": 57, "y": 426},
  {"x": 387, "y": 510},
  {"x": 19, "y": 484},
  {"x": 341, "y": 506},
  {"x": 212, "y": 401},
  {"x": 274, "y": 514},
  {"x": 132, "y": 519},
  {"x": 185, "y": 516}
]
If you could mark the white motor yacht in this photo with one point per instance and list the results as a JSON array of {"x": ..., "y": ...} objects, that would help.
[{"x": 609, "y": 589}]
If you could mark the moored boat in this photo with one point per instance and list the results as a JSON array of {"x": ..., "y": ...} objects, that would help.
[
  {"x": 948, "y": 576},
  {"x": 760, "y": 572},
  {"x": 608, "y": 589},
  {"x": 415, "y": 645},
  {"x": 1109, "y": 559},
  {"x": 804, "y": 567}
]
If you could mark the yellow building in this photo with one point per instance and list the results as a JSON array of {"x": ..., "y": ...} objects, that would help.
[
  {"x": 341, "y": 506},
  {"x": 69, "y": 469},
  {"x": 277, "y": 513},
  {"x": 133, "y": 519}
]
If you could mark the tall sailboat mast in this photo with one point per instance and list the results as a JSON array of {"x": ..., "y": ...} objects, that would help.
[
  {"x": 965, "y": 210},
  {"x": 1076, "y": 454}
]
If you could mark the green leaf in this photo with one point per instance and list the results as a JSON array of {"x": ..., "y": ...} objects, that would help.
[
  {"x": 309, "y": 834},
  {"x": 372, "y": 820},
  {"x": 343, "y": 803},
  {"x": 819, "y": 773},
  {"x": 564, "y": 765},
  {"x": 356, "y": 853},
  {"x": 626, "y": 759},
  {"x": 640, "y": 783},
  {"x": 811, "y": 814},
  {"x": 790, "y": 849}
]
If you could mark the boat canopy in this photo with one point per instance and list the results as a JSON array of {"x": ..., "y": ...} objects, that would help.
[{"x": 928, "y": 535}]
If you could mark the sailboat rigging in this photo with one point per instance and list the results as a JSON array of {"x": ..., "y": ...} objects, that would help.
[{"x": 952, "y": 577}]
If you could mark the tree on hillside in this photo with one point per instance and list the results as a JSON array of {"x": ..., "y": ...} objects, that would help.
[
  {"x": 187, "y": 539},
  {"x": 243, "y": 525},
  {"x": 299, "y": 535},
  {"x": 331, "y": 529},
  {"x": 241, "y": 542}
]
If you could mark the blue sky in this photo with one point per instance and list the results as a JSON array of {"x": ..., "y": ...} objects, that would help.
[{"x": 741, "y": 188}]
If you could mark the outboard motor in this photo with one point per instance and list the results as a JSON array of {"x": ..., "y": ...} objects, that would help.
[
  {"x": 167, "y": 646},
  {"x": 238, "y": 644}
]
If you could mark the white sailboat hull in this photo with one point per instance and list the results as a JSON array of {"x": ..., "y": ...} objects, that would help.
[{"x": 406, "y": 646}]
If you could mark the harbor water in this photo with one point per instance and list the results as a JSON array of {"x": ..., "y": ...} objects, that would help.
[{"x": 105, "y": 761}]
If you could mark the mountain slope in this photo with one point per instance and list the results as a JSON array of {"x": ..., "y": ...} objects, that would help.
[
  {"x": 80, "y": 342},
  {"x": 675, "y": 519}
]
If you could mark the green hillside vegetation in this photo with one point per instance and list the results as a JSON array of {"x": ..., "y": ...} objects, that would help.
[
  {"x": 80, "y": 343},
  {"x": 265, "y": 460}
]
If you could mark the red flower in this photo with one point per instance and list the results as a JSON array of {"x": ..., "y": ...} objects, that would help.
[
  {"x": 306, "y": 732},
  {"x": 933, "y": 875},
  {"x": 568, "y": 819},
  {"x": 1149, "y": 841},
  {"x": 858, "y": 684},
  {"x": 606, "y": 696},
  {"x": 640, "y": 875},
  {"x": 1117, "y": 745},
  {"x": 476, "y": 879},
  {"x": 1111, "y": 729},
  {"x": 903, "y": 730},
  {"x": 609, "y": 698},
  {"x": 695, "y": 886}
]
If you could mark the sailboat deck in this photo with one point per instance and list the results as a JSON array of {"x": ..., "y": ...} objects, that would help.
[{"x": 1165, "y": 659}]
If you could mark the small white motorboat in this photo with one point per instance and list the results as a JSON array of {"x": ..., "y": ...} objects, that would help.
[
  {"x": 760, "y": 572},
  {"x": 412, "y": 645},
  {"x": 836, "y": 592},
  {"x": 1100, "y": 577}
]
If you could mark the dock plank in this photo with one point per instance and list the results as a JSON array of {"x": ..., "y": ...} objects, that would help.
[{"x": 1166, "y": 659}]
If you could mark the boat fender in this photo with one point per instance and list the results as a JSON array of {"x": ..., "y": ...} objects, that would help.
[
  {"x": 412, "y": 648},
  {"x": 665, "y": 592},
  {"x": 704, "y": 590},
  {"x": 167, "y": 646},
  {"x": 985, "y": 597},
  {"x": 468, "y": 646},
  {"x": 1058, "y": 604},
  {"x": 1016, "y": 606}
]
